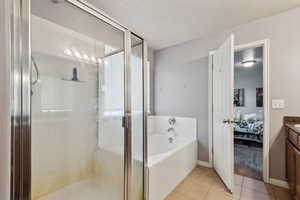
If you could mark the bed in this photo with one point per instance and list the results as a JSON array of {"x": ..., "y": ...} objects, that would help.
[{"x": 249, "y": 130}]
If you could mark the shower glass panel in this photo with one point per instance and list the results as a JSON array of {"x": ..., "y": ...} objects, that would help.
[
  {"x": 77, "y": 104},
  {"x": 137, "y": 130}
]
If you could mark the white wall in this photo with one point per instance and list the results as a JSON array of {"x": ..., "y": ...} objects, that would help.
[
  {"x": 186, "y": 64},
  {"x": 4, "y": 103}
]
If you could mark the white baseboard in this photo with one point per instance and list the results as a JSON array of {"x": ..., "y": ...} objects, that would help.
[
  {"x": 279, "y": 183},
  {"x": 204, "y": 164}
]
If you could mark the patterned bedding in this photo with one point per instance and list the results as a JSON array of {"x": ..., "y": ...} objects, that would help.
[
  {"x": 255, "y": 127},
  {"x": 249, "y": 130}
]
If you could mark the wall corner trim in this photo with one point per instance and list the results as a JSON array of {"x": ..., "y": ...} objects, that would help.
[
  {"x": 204, "y": 164},
  {"x": 279, "y": 183}
]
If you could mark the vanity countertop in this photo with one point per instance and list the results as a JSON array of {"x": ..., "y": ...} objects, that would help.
[{"x": 290, "y": 122}]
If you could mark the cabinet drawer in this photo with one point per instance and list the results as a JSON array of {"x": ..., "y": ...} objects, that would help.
[
  {"x": 291, "y": 167},
  {"x": 293, "y": 137},
  {"x": 297, "y": 179}
]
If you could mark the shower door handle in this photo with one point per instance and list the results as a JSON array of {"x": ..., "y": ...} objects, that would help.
[{"x": 226, "y": 121}]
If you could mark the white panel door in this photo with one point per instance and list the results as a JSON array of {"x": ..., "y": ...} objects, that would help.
[{"x": 223, "y": 69}]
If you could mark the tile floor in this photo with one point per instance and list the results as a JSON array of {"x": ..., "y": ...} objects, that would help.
[{"x": 204, "y": 184}]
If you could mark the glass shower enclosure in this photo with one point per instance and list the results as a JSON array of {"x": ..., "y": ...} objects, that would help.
[{"x": 79, "y": 114}]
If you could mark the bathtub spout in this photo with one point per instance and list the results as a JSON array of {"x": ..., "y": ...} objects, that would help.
[
  {"x": 171, "y": 139},
  {"x": 170, "y": 130}
]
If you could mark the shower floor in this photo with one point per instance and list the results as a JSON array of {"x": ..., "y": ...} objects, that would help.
[{"x": 90, "y": 189}]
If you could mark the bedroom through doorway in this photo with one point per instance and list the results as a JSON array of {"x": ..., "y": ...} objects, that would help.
[{"x": 249, "y": 112}]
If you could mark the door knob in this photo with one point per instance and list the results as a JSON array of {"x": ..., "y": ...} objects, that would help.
[
  {"x": 226, "y": 121},
  {"x": 230, "y": 121}
]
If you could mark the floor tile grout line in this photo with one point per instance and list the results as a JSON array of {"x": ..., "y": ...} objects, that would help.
[
  {"x": 240, "y": 198},
  {"x": 241, "y": 187},
  {"x": 243, "y": 179},
  {"x": 210, "y": 188}
]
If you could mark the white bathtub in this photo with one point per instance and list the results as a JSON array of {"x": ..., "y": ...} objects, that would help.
[{"x": 169, "y": 163}]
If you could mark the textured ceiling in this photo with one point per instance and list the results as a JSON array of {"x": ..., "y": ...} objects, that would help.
[{"x": 168, "y": 22}]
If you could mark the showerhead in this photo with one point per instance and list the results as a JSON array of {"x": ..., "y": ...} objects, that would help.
[{"x": 55, "y": 1}]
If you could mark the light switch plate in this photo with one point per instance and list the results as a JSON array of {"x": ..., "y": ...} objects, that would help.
[{"x": 278, "y": 104}]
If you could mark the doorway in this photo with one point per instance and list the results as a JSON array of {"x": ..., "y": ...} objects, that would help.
[
  {"x": 222, "y": 116},
  {"x": 248, "y": 112}
]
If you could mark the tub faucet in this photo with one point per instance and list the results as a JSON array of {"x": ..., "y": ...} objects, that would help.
[{"x": 172, "y": 121}]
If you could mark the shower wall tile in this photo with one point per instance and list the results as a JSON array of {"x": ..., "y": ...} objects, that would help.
[{"x": 64, "y": 126}]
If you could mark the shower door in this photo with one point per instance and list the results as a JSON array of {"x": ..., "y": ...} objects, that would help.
[
  {"x": 137, "y": 119},
  {"x": 77, "y": 104},
  {"x": 86, "y": 108}
]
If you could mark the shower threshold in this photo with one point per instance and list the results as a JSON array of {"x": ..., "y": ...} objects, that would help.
[{"x": 90, "y": 189}]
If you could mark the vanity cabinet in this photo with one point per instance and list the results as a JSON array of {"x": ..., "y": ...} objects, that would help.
[
  {"x": 293, "y": 156},
  {"x": 291, "y": 167},
  {"x": 297, "y": 181}
]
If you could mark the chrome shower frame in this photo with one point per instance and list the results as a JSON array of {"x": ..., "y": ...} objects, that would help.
[{"x": 20, "y": 26}]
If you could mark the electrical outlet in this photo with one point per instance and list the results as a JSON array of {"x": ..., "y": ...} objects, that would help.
[{"x": 278, "y": 104}]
